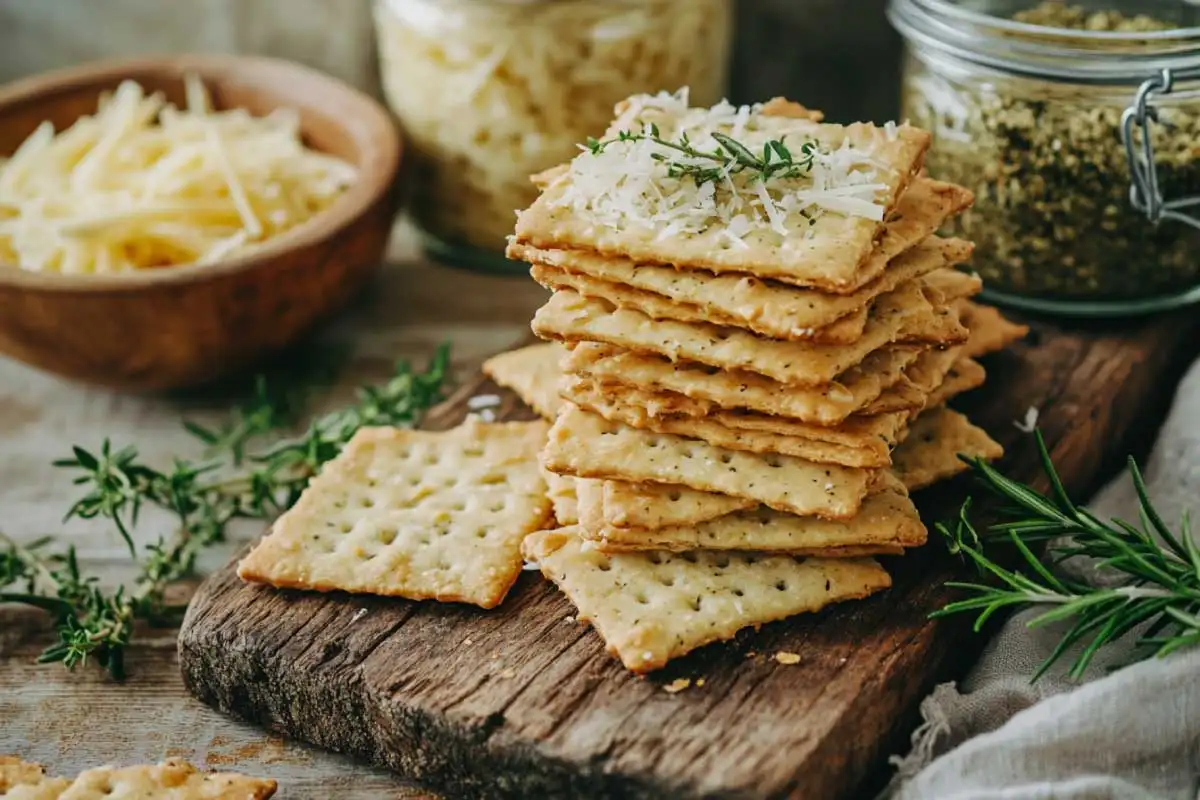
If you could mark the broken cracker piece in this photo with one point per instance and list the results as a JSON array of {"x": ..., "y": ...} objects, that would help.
[
  {"x": 786, "y": 658},
  {"x": 652, "y": 607},
  {"x": 990, "y": 332},
  {"x": 416, "y": 514}
]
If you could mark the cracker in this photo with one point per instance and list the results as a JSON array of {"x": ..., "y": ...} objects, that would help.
[
  {"x": 931, "y": 451},
  {"x": 886, "y": 523},
  {"x": 563, "y": 497},
  {"x": 171, "y": 780},
  {"x": 829, "y": 252},
  {"x": 652, "y": 607},
  {"x": 904, "y": 315},
  {"x": 24, "y": 780},
  {"x": 708, "y": 388},
  {"x": 713, "y": 432},
  {"x": 416, "y": 514},
  {"x": 532, "y": 373},
  {"x": 856, "y": 442},
  {"x": 965, "y": 375},
  {"x": 588, "y": 446},
  {"x": 650, "y": 505},
  {"x": 921, "y": 378},
  {"x": 765, "y": 307},
  {"x": 989, "y": 330}
]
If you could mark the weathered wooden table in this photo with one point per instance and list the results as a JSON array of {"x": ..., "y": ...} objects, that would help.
[{"x": 72, "y": 721}]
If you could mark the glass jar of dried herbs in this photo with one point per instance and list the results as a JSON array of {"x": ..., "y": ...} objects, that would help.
[{"x": 1078, "y": 128}]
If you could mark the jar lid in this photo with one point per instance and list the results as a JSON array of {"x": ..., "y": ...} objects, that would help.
[{"x": 1004, "y": 41}]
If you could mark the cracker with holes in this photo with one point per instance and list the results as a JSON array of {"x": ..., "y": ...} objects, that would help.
[
  {"x": 650, "y": 505},
  {"x": 920, "y": 379},
  {"x": 651, "y": 607},
  {"x": 588, "y": 446},
  {"x": 765, "y": 307},
  {"x": 904, "y": 315},
  {"x": 989, "y": 330},
  {"x": 859, "y": 442},
  {"x": 416, "y": 514},
  {"x": 886, "y": 524},
  {"x": 532, "y": 373},
  {"x": 619, "y": 200},
  {"x": 930, "y": 453},
  {"x": 170, "y": 780},
  {"x": 699, "y": 388}
]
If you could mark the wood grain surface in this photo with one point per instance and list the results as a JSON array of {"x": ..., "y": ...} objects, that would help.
[{"x": 522, "y": 701}]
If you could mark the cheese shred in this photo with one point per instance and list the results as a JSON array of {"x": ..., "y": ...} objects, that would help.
[{"x": 144, "y": 184}]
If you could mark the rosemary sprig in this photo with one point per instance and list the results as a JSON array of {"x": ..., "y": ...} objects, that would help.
[
  {"x": 204, "y": 497},
  {"x": 1159, "y": 582},
  {"x": 729, "y": 156}
]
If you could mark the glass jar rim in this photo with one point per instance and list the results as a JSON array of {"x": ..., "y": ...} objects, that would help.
[{"x": 1043, "y": 51}]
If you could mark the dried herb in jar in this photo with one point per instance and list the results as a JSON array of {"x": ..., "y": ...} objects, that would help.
[{"x": 1052, "y": 216}]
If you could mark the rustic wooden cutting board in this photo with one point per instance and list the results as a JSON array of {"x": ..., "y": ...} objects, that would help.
[{"x": 523, "y": 702}]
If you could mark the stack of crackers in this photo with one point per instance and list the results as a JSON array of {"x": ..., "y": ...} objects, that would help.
[
  {"x": 748, "y": 376},
  {"x": 744, "y": 407}
]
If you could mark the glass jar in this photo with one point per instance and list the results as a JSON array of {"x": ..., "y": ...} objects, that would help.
[
  {"x": 1084, "y": 154},
  {"x": 490, "y": 92}
]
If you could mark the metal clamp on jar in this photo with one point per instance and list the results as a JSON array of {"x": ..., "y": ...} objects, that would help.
[
  {"x": 490, "y": 92},
  {"x": 1078, "y": 128}
]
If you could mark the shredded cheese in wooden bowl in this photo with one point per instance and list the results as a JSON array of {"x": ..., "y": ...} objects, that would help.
[{"x": 144, "y": 184}]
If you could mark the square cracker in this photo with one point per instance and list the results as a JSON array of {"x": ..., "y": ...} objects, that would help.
[
  {"x": 989, "y": 330},
  {"x": 828, "y": 252},
  {"x": 650, "y": 607},
  {"x": 886, "y": 523},
  {"x": 532, "y": 373},
  {"x": 904, "y": 315},
  {"x": 930, "y": 453},
  {"x": 588, "y": 446},
  {"x": 416, "y": 514},
  {"x": 765, "y": 307},
  {"x": 650, "y": 505},
  {"x": 708, "y": 387},
  {"x": 865, "y": 445},
  {"x": 171, "y": 780},
  {"x": 24, "y": 780}
]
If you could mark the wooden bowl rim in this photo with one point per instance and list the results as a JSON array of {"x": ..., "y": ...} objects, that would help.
[{"x": 379, "y": 167}]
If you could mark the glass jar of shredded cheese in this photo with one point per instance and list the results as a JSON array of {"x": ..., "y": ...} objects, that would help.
[
  {"x": 1077, "y": 125},
  {"x": 490, "y": 92}
]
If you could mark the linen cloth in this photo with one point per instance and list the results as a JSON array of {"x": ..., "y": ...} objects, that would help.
[{"x": 1129, "y": 733}]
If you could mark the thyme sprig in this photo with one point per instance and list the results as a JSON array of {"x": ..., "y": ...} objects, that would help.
[
  {"x": 1158, "y": 569},
  {"x": 729, "y": 156},
  {"x": 203, "y": 496}
]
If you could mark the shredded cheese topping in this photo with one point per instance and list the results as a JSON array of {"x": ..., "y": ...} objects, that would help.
[
  {"x": 144, "y": 184},
  {"x": 627, "y": 183}
]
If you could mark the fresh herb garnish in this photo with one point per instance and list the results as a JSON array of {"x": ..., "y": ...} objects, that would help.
[
  {"x": 1160, "y": 583},
  {"x": 728, "y": 158},
  {"x": 205, "y": 497}
]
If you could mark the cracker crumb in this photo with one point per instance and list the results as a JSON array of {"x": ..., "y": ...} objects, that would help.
[
  {"x": 1029, "y": 423},
  {"x": 362, "y": 612},
  {"x": 508, "y": 673},
  {"x": 786, "y": 658},
  {"x": 569, "y": 618},
  {"x": 677, "y": 685},
  {"x": 699, "y": 682},
  {"x": 467, "y": 642}
]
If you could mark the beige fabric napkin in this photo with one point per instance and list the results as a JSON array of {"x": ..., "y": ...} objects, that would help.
[{"x": 1129, "y": 733}]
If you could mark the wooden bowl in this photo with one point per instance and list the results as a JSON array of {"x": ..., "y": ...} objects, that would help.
[{"x": 182, "y": 326}]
